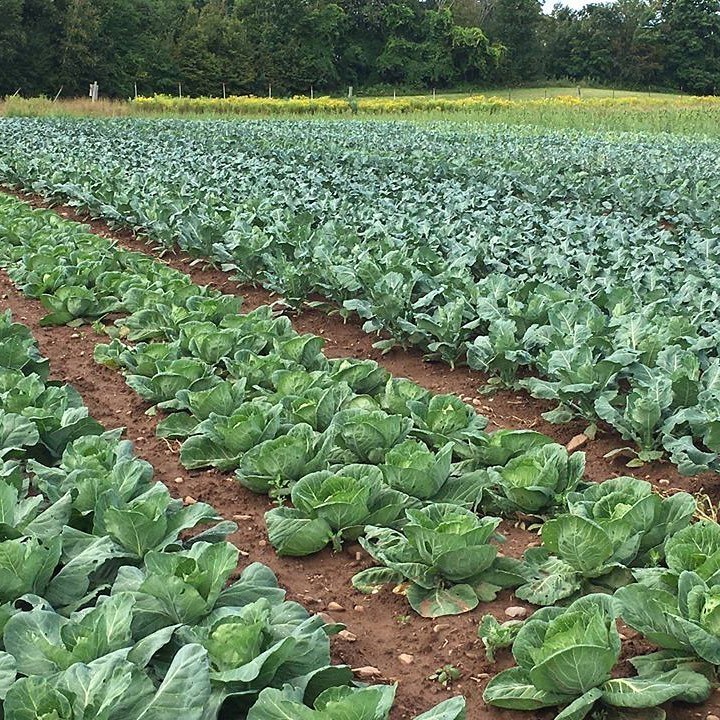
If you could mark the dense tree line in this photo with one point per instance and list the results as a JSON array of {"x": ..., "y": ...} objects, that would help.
[{"x": 291, "y": 45}]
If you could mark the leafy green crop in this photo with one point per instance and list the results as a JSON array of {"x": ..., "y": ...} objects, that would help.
[
  {"x": 536, "y": 481},
  {"x": 114, "y": 606},
  {"x": 445, "y": 554},
  {"x": 612, "y": 527},
  {"x": 597, "y": 295},
  {"x": 565, "y": 657}
]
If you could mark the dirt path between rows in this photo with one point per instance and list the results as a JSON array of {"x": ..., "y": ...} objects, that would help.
[{"x": 382, "y": 627}]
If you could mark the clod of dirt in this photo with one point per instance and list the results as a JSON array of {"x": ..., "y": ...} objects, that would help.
[
  {"x": 366, "y": 672},
  {"x": 515, "y": 611},
  {"x": 406, "y": 659},
  {"x": 190, "y": 500},
  {"x": 335, "y": 607},
  {"x": 347, "y": 636}
]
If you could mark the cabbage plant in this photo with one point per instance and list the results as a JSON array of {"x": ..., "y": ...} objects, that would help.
[
  {"x": 115, "y": 688},
  {"x": 274, "y": 466},
  {"x": 83, "y": 637},
  {"x": 317, "y": 406},
  {"x": 398, "y": 393},
  {"x": 18, "y": 348},
  {"x": 628, "y": 507},
  {"x": 221, "y": 441},
  {"x": 413, "y": 469},
  {"x": 207, "y": 342},
  {"x": 195, "y": 406},
  {"x": 612, "y": 528},
  {"x": 186, "y": 586},
  {"x": 565, "y": 657},
  {"x": 332, "y": 507},
  {"x": 368, "y": 435},
  {"x": 154, "y": 521},
  {"x": 365, "y": 377},
  {"x": 686, "y": 622},
  {"x": 695, "y": 548},
  {"x": 444, "y": 554},
  {"x": 358, "y": 703},
  {"x": 263, "y": 644},
  {"x": 537, "y": 481},
  {"x": 497, "y": 448},
  {"x": 90, "y": 466},
  {"x": 446, "y": 418},
  {"x": 182, "y": 374},
  {"x": 677, "y": 606}
]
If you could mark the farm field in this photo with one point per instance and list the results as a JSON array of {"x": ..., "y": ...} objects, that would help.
[
  {"x": 580, "y": 268},
  {"x": 339, "y": 452}
]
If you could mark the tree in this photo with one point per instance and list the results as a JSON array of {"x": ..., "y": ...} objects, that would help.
[
  {"x": 515, "y": 24},
  {"x": 690, "y": 36},
  {"x": 11, "y": 40},
  {"x": 79, "y": 53}
]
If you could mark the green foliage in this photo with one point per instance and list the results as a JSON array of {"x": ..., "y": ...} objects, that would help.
[
  {"x": 537, "y": 481},
  {"x": 496, "y": 636},
  {"x": 445, "y": 554},
  {"x": 114, "y": 607},
  {"x": 612, "y": 527},
  {"x": 333, "y": 507},
  {"x": 565, "y": 657},
  {"x": 632, "y": 345}
]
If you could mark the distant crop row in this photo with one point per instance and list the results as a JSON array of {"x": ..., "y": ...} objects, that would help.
[{"x": 582, "y": 268}]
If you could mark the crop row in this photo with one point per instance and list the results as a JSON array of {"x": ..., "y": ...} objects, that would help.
[
  {"x": 580, "y": 268},
  {"x": 113, "y": 603},
  {"x": 364, "y": 455}
]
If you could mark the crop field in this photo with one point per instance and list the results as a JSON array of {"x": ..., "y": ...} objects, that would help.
[{"x": 456, "y": 388}]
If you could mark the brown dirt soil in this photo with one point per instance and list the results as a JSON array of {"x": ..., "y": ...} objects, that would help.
[{"x": 384, "y": 626}]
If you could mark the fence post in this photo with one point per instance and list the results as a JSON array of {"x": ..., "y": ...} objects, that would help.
[
  {"x": 224, "y": 93},
  {"x": 180, "y": 90},
  {"x": 312, "y": 92},
  {"x": 94, "y": 91},
  {"x": 270, "y": 91}
]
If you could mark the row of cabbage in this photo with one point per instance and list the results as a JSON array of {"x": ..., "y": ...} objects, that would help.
[
  {"x": 351, "y": 446},
  {"x": 244, "y": 392},
  {"x": 586, "y": 263},
  {"x": 115, "y": 605}
]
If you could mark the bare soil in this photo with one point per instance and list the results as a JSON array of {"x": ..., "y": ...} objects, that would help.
[{"x": 383, "y": 625}]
